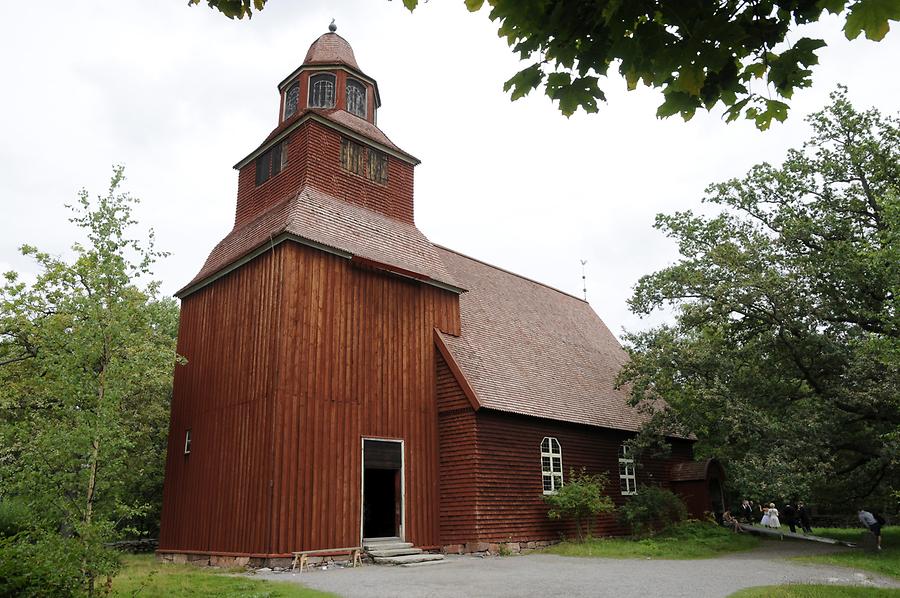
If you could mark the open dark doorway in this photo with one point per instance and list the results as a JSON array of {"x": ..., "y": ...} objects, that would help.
[{"x": 382, "y": 489}]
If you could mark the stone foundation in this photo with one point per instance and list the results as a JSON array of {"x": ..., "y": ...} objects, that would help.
[
  {"x": 495, "y": 548},
  {"x": 230, "y": 562}
]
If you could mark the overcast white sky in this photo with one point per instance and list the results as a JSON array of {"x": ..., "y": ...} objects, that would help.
[{"x": 180, "y": 94}]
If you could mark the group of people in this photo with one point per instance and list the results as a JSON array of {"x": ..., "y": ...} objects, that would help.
[
  {"x": 795, "y": 516},
  {"x": 769, "y": 516}
]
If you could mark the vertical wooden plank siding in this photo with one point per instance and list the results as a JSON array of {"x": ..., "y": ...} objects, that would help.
[
  {"x": 458, "y": 458},
  {"x": 358, "y": 361},
  {"x": 216, "y": 498},
  {"x": 510, "y": 507},
  {"x": 297, "y": 356},
  {"x": 293, "y": 359}
]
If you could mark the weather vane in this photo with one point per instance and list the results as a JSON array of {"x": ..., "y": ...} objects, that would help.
[{"x": 332, "y": 28}]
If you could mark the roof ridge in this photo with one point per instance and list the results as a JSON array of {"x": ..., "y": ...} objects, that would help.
[{"x": 510, "y": 272}]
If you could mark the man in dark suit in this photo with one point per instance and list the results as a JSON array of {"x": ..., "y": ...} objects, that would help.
[
  {"x": 746, "y": 511},
  {"x": 805, "y": 517},
  {"x": 790, "y": 517}
]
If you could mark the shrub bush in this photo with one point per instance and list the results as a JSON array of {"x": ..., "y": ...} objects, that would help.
[
  {"x": 38, "y": 565},
  {"x": 43, "y": 564},
  {"x": 581, "y": 498},
  {"x": 652, "y": 509}
]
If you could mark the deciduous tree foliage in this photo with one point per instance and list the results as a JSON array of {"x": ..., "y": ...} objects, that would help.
[
  {"x": 86, "y": 358},
  {"x": 699, "y": 53},
  {"x": 784, "y": 358},
  {"x": 234, "y": 9}
]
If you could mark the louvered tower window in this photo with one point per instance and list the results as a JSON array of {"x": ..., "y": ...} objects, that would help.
[
  {"x": 291, "y": 100},
  {"x": 353, "y": 157},
  {"x": 551, "y": 465},
  {"x": 321, "y": 91},
  {"x": 378, "y": 167},
  {"x": 356, "y": 98},
  {"x": 271, "y": 162}
]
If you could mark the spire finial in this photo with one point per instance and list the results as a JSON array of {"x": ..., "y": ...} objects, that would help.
[{"x": 332, "y": 27}]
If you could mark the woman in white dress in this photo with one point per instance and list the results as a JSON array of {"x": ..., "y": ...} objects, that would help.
[{"x": 771, "y": 517}]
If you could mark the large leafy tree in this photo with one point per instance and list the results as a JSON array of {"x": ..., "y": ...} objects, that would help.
[
  {"x": 86, "y": 356},
  {"x": 784, "y": 358},
  {"x": 699, "y": 53}
]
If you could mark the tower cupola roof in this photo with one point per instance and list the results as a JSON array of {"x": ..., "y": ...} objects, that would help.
[{"x": 331, "y": 48}]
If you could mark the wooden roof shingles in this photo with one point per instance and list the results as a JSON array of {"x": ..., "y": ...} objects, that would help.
[
  {"x": 326, "y": 221},
  {"x": 331, "y": 48},
  {"x": 529, "y": 349}
]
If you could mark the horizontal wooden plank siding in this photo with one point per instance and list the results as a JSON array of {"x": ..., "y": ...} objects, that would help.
[
  {"x": 458, "y": 453},
  {"x": 510, "y": 506}
]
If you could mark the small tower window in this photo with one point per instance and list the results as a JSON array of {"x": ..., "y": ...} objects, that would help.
[
  {"x": 187, "y": 442},
  {"x": 353, "y": 157},
  {"x": 356, "y": 98},
  {"x": 291, "y": 99},
  {"x": 378, "y": 166},
  {"x": 271, "y": 162},
  {"x": 551, "y": 465},
  {"x": 321, "y": 91}
]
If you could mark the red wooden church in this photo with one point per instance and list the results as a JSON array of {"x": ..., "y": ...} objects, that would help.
[{"x": 348, "y": 379}]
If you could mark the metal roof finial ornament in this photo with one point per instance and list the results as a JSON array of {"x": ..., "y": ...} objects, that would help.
[{"x": 332, "y": 28}]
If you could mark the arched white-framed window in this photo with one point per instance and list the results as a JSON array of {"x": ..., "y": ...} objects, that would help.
[
  {"x": 551, "y": 465},
  {"x": 627, "y": 475},
  {"x": 356, "y": 98},
  {"x": 321, "y": 91},
  {"x": 291, "y": 99}
]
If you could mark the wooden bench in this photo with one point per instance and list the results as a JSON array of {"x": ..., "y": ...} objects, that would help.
[{"x": 301, "y": 558}]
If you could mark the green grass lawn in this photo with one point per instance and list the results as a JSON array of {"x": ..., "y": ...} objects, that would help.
[
  {"x": 143, "y": 576},
  {"x": 814, "y": 591},
  {"x": 693, "y": 540},
  {"x": 886, "y": 562}
]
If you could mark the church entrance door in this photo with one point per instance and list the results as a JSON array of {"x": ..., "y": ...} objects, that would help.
[{"x": 382, "y": 489}]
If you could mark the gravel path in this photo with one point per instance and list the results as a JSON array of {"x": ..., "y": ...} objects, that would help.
[{"x": 545, "y": 574}]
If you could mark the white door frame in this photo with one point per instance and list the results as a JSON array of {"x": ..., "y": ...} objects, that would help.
[{"x": 362, "y": 484}]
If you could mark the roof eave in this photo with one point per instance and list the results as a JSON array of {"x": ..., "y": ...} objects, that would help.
[
  {"x": 310, "y": 115},
  {"x": 457, "y": 372},
  {"x": 332, "y": 65},
  {"x": 193, "y": 287}
]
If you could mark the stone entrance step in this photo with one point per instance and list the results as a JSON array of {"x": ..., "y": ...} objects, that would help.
[
  {"x": 409, "y": 559},
  {"x": 384, "y": 552},
  {"x": 426, "y": 563},
  {"x": 388, "y": 545},
  {"x": 394, "y": 551}
]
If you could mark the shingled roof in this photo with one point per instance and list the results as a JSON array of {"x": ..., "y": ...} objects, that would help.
[
  {"x": 329, "y": 117},
  {"x": 530, "y": 349},
  {"x": 331, "y": 48},
  {"x": 327, "y": 222}
]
